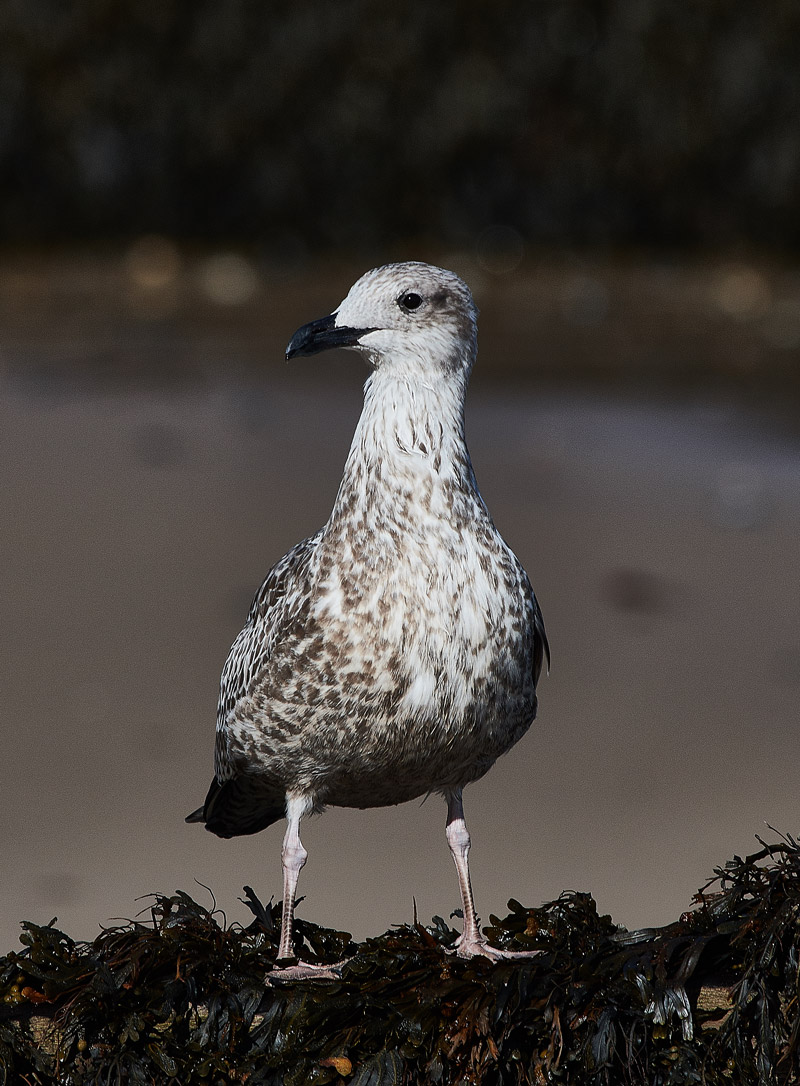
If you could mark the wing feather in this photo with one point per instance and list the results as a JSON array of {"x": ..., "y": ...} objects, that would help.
[
  {"x": 274, "y": 605},
  {"x": 541, "y": 646}
]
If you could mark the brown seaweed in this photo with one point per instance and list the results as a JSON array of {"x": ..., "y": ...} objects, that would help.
[{"x": 711, "y": 998}]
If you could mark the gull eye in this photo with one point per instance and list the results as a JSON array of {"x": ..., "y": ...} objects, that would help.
[{"x": 409, "y": 301}]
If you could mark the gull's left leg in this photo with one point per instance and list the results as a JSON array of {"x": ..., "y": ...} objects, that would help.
[{"x": 470, "y": 942}]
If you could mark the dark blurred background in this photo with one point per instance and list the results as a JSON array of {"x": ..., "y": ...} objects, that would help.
[
  {"x": 360, "y": 125},
  {"x": 181, "y": 186}
]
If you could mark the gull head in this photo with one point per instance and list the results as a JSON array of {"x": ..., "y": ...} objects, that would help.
[{"x": 411, "y": 317}]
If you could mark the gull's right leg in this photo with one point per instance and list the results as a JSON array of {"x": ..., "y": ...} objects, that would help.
[{"x": 293, "y": 857}]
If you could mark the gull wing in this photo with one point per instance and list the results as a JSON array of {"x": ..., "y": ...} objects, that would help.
[{"x": 281, "y": 596}]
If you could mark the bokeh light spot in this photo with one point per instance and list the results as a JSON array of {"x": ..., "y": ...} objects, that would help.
[
  {"x": 153, "y": 263},
  {"x": 740, "y": 292},
  {"x": 228, "y": 279}
]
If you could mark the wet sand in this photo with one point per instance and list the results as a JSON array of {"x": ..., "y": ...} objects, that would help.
[{"x": 661, "y": 537}]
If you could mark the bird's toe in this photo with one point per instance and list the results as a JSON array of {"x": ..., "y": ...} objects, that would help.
[
  {"x": 305, "y": 971},
  {"x": 479, "y": 948}
]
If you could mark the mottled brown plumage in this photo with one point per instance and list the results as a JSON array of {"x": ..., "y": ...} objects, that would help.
[{"x": 397, "y": 651}]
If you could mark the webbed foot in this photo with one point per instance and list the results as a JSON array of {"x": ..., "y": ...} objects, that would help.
[{"x": 306, "y": 971}]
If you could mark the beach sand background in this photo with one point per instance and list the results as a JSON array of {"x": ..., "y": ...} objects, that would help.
[{"x": 158, "y": 457}]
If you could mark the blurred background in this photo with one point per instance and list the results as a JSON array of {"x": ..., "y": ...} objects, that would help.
[{"x": 181, "y": 186}]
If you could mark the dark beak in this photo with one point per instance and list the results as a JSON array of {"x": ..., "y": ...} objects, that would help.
[{"x": 322, "y": 335}]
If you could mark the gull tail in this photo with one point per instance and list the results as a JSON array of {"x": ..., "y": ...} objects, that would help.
[{"x": 240, "y": 806}]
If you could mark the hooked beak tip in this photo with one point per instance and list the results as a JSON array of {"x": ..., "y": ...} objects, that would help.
[{"x": 323, "y": 335}]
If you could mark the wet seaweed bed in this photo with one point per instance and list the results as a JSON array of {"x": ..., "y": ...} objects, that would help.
[{"x": 181, "y": 997}]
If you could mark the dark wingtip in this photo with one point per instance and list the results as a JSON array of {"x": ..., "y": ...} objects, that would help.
[
  {"x": 541, "y": 651},
  {"x": 196, "y": 816}
]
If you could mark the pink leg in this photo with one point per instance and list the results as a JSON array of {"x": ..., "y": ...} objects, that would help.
[
  {"x": 293, "y": 856},
  {"x": 459, "y": 842},
  {"x": 471, "y": 942}
]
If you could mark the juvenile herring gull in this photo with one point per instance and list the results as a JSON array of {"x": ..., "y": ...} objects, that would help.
[{"x": 396, "y": 652}]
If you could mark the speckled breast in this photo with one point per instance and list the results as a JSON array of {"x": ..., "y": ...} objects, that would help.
[{"x": 414, "y": 678}]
